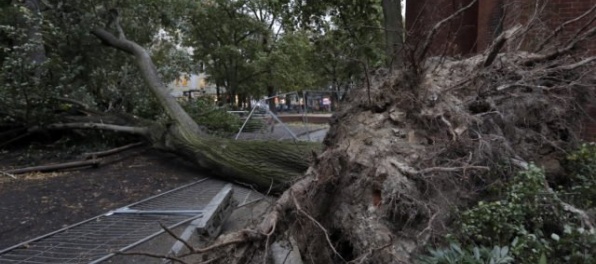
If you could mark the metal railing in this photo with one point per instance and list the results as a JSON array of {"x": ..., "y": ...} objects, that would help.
[{"x": 100, "y": 238}]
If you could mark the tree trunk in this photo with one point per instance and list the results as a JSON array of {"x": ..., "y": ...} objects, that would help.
[
  {"x": 394, "y": 31},
  {"x": 266, "y": 165},
  {"x": 217, "y": 93},
  {"x": 270, "y": 94}
]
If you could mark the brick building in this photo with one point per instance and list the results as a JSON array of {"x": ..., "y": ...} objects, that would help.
[{"x": 474, "y": 30}]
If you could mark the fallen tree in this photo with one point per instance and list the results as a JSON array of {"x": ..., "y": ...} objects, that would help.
[
  {"x": 405, "y": 149},
  {"x": 415, "y": 144},
  {"x": 269, "y": 166}
]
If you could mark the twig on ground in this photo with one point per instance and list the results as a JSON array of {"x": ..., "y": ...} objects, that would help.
[
  {"x": 8, "y": 174},
  {"x": 239, "y": 237},
  {"x": 98, "y": 154},
  {"x": 178, "y": 238},
  {"x": 54, "y": 167}
]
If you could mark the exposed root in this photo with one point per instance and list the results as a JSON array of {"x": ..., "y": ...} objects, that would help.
[
  {"x": 301, "y": 211},
  {"x": 498, "y": 44}
]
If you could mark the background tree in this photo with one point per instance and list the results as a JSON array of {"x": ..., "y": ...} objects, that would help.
[
  {"x": 226, "y": 39},
  {"x": 348, "y": 37},
  {"x": 394, "y": 30}
]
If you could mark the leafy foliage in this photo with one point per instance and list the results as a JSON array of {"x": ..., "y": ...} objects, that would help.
[
  {"x": 217, "y": 119},
  {"x": 250, "y": 48},
  {"x": 582, "y": 177},
  {"x": 530, "y": 220},
  {"x": 70, "y": 62},
  {"x": 476, "y": 255}
]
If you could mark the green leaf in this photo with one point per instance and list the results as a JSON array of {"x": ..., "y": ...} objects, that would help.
[{"x": 542, "y": 259}]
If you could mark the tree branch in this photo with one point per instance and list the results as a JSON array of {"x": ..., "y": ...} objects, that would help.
[
  {"x": 573, "y": 66},
  {"x": 54, "y": 167},
  {"x": 143, "y": 131},
  {"x": 498, "y": 44},
  {"x": 559, "y": 52},
  {"x": 151, "y": 77},
  {"x": 560, "y": 28},
  {"x": 97, "y": 154}
]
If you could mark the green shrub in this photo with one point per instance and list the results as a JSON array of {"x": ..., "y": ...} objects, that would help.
[
  {"x": 581, "y": 165},
  {"x": 531, "y": 221},
  {"x": 476, "y": 255},
  {"x": 207, "y": 114},
  {"x": 217, "y": 119}
]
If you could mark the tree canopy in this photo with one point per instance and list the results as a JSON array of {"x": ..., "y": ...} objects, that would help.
[{"x": 250, "y": 48}]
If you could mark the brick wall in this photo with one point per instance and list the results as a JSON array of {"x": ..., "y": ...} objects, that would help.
[
  {"x": 458, "y": 37},
  {"x": 476, "y": 28},
  {"x": 490, "y": 15},
  {"x": 555, "y": 13},
  {"x": 563, "y": 10}
]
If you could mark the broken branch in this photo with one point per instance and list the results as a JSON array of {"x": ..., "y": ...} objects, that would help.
[
  {"x": 150, "y": 75},
  {"x": 171, "y": 233},
  {"x": 54, "y": 167},
  {"x": 143, "y": 131},
  {"x": 498, "y": 44},
  {"x": 8, "y": 174},
  {"x": 111, "y": 151}
]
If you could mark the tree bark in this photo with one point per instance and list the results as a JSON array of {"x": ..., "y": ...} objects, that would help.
[{"x": 394, "y": 31}]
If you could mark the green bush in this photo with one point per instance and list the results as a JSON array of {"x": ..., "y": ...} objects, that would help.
[
  {"x": 530, "y": 220},
  {"x": 581, "y": 165},
  {"x": 217, "y": 120},
  {"x": 476, "y": 255},
  {"x": 208, "y": 115}
]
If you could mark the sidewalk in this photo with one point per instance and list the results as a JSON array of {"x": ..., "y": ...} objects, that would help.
[{"x": 278, "y": 132}]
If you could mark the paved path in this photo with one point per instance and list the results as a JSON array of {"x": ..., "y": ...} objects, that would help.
[
  {"x": 315, "y": 136},
  {"x": 278, "y": 132}
]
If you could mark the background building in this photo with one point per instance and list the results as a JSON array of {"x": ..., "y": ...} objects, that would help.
[{"x": 475, "y": 29}]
